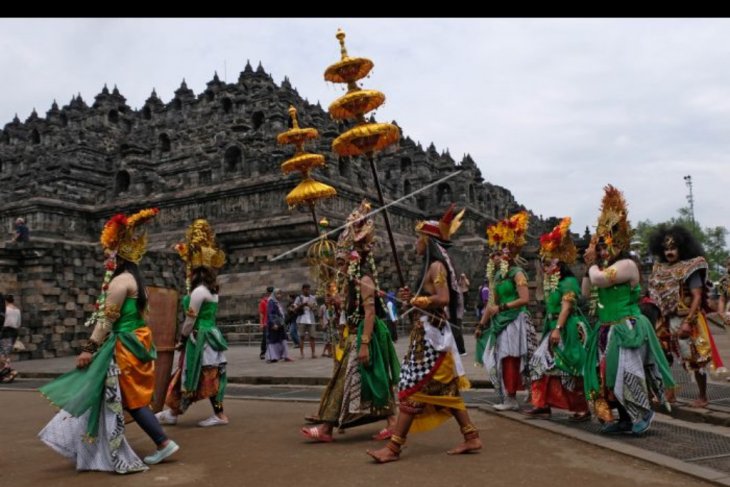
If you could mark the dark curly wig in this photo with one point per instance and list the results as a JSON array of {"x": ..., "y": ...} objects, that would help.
[{"x": 688, "y": 246}]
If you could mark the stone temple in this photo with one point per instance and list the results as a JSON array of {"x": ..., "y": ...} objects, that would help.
[{"x": 212, "y": 155}]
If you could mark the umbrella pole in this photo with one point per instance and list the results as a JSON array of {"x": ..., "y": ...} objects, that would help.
[
  {"x": 314, "y": 217},
  {"x": 385, "y": 217}
]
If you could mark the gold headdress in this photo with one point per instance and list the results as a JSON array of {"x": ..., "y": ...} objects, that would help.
[
  {"x": 359, "y": 232},
  {"x": 122, "y": 236},
  {"x": 445, "y": 228},
  {"x": 509, "y": 232},
  {"x": 200, "y": 248},
  {"x": 557, "y": 244},
  {"x": 613, "y": 227},
  {"x": 125, "y": 236}
]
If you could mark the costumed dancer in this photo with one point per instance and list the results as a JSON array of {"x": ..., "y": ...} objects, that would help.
[
  {"x": 361, "y": 388},
  {"x": 201, "y": 373},
  {"x": 505, "y": 334},
  {"x": 556, "y": 367},
  {"x": 432, "y": 373},
  {"x": 677, "y": 287},
  {"x": 625, "y": 363},
  {"x": 115, "y": 370}
]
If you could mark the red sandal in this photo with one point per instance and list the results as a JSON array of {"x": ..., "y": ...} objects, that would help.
[
  {"x": 383, "y": 434},
  {"x": 314, "y": 433}
]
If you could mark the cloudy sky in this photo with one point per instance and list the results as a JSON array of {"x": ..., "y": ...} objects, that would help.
[{"x": 552, "y": 109}]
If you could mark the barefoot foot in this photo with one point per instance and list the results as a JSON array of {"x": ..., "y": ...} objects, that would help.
[
  {"x": 468, "y": 446},
  {"x": 384, "y": 455}
]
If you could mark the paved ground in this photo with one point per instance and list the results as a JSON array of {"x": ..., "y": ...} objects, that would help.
[
  {"x": 262, "y": 446},
  {"x": 276, "y": 457}
]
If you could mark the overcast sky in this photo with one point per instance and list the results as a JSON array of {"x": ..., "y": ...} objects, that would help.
[{"x": 552, "y": 109}]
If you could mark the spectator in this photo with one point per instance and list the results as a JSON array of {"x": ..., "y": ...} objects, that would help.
[
  {"x": 291, "y": 320},
  {"x": 305, "y": 306},
  {"x": 263, "y": 307},
  {"x": 8, "y": 335},
  {"x": 276, "y": 330},
  {"x": 22, "y": 234},
  {"x": 483, "y": 297}
]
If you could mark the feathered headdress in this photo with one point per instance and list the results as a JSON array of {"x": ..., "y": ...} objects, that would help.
[
  {"x": 359, "y": 232},
  {"x": 200, "y": 248},
  {"x": 509, "y": 232},
  {"x": 613, "y": 226},
  {"x": 445, "y": 228},
  {"x": 125, "y": 235},
  {"x": 557, "y": 244},
  {"x": 121, "y": 236}
]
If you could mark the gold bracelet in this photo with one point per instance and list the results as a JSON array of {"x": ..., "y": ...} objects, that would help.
[
  {"x": 364, "y": 339},
  {"x": 421, "y": 301}
]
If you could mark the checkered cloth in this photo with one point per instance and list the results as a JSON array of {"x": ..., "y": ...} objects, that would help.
[{"x": 415, "y": 368}]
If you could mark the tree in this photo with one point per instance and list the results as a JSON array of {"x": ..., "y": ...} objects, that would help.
[{"x": 711, "y": 238}]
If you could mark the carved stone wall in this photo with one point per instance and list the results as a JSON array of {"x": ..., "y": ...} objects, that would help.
[{"x": 212, "y": 155}]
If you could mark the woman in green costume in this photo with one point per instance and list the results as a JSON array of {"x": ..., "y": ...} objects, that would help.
[
  {"x": 505, "y": 334},
  {"x": 625, "y": 364},
  {"x": 361, "y": 388},
  {"x": 202, "y": 371},
  {"x": 556, "y": 368},
  {"x": 115, "y": 371}
]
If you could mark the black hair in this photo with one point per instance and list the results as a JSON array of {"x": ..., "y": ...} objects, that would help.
[
  {"x": 125, "y": 265},
  {"x": 9, "y": 298},
  {"x": 205, "y": 276},
  {"x": 433, "y": 254},
  {"x": 565, "y": 270},
  {"x": 352, "y": 290},
  {"x": 688, "y": 246}
]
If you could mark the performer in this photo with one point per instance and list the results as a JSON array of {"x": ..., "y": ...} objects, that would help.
[
  {"x": 624, "y": 360},
  {"x": 202, "y": 370},
  {"x": 505, "y": 334},
  {"x": 432, "y": 374},
  {"x": 677, "y": 286},
  {"x": 361, "y": 388},
  {"x": 556, "y": 368},
  {"x": 723, "y": 290},
  {"x": 115, "y": 370}
]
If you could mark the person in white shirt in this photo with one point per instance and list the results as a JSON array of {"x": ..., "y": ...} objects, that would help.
[
  {"x": 305, "y": 306},
  {"x": 8, "y": 335}
]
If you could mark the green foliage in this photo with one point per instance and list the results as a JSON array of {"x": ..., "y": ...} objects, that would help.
[{"x": 711, "y": 238}]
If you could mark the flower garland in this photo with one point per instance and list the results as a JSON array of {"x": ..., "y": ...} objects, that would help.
[
  {"x": 354, "y": 273},
  {"x": 503, "y": 268},
  {"x": 110, "y": 265},
  {"x": 490, "y": 280},
  {"x": 550, "y": 282}
]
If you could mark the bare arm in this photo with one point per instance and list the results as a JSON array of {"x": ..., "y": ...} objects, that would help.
[
  {"x": 367, "y": 294},
  {"x": 200, "y": 295},
  {"x": 522, "y": 291},
  {"x": 566, "y": 307},
  {"x": 438, "y": 276},
  {"x": 119, "y": 288},
  {"x": 624, "y": 270}
]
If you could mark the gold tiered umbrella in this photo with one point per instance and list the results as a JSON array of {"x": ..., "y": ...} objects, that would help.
[
  {"x": 309, "y": 191},
  {"x": 364, "y": 138}
]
